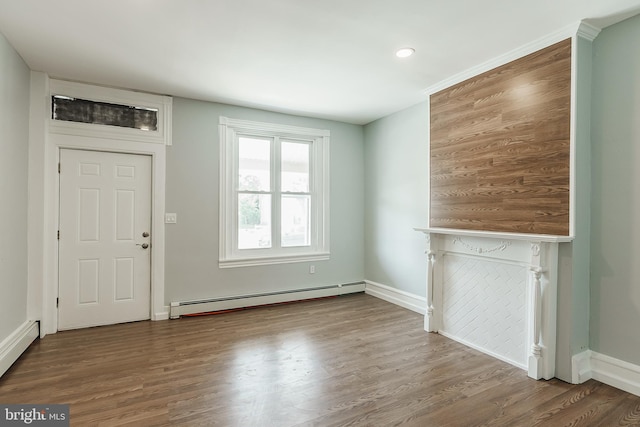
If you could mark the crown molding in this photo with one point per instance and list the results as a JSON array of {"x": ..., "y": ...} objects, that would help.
[
  {"x": 588, "y": 31},
  {"x": 582, "y": 29}
]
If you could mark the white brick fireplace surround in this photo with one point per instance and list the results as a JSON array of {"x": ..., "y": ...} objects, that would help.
[{"x": 495, "y": 292}]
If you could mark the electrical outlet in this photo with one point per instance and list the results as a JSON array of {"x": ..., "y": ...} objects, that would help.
[
  {"x": 312, "y": 269},
  {"x": 170, "y": 218}
]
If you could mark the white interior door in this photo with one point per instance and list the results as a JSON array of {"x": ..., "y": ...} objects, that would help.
[{"x": 105, "y": 242}]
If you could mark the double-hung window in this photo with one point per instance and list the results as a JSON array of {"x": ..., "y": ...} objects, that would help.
[{"x": 274, "y": 202}]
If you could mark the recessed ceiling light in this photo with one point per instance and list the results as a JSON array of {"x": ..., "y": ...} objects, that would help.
[{"x": 405, "y": 52}]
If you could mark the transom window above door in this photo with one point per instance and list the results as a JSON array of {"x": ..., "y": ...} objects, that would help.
[{"x": 274, "y": 193}]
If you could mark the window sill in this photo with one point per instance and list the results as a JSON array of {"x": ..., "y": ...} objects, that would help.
[{"x": 286, "y": 259}]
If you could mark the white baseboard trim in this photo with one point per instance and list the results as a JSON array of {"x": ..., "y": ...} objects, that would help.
[
  {"x": 396, "y": 296},
  {"x": 606, "y": 369},
  {"x": 15, "y": 344},
  {"x": 178, "y": 309},
  {"x": 162, "y": 315},
  {"x": 581, "y": 367},
  {"x": 616, "y": 373}
]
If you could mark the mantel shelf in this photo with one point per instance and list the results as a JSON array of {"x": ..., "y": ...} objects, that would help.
[{"x": 497, "y": 235}]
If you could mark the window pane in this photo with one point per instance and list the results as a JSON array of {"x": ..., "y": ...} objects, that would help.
[
  {"x": 295, "y": 167},
  {"x": 254, "y": 164},
  {"x": 296, "y": 230},
  {"x": 254, "y": 221}
]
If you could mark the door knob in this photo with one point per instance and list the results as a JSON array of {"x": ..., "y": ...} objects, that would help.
[
  {"x": 144, "y": 245},
  {"x": 145, "y": 234}
]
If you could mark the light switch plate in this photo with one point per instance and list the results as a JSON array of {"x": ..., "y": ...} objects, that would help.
[{"x": 170, "y": 218}]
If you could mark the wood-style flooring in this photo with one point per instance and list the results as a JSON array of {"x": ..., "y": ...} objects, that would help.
[{"x": 347, "y": 361}]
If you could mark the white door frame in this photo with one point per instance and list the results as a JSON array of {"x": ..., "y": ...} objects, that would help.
[
  {"x": 45, "y": 144},
  {"x": 158, "y": 309}
]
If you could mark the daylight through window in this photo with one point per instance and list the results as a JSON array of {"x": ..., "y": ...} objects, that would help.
[{"x": 274, "y": 193}]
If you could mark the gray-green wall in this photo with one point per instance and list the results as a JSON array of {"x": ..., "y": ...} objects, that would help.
[
  {"x": 191, "y": 269},
  {"x": 378, "y": 194},
  {"x": 615, "y": 245},
  {"x": 396, "y": 178},
  {"x": 574, "y": 258},
  {"x": 396, "y": 161},
  {"x": 14, "y": 142}
]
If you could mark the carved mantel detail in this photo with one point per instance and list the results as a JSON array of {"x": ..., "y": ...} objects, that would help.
[
  {"x": 535, "y": 249},
  {"x": 504, "y": 244},
  {"x": 532, "y": 262}
]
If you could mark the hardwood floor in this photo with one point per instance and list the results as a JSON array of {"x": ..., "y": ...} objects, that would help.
[{"x": 352, "y": 360}]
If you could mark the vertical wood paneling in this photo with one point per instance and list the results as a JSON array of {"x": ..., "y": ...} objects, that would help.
[{"x": 500, "y": 147}]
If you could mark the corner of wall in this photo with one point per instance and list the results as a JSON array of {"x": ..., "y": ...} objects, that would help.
[
  {"x": 39, "y": 87},
  {"x": 581, "y": 367}
]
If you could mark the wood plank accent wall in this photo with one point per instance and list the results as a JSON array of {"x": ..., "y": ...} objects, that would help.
[{"x": 500, "y": 147}]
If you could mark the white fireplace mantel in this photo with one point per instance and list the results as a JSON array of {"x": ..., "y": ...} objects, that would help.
[
  {"x": 495, "y": 235},
  {"x": 496, "y": 292}
]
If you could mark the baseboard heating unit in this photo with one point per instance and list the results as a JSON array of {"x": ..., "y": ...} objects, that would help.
[{"x": 181, "y": 308}]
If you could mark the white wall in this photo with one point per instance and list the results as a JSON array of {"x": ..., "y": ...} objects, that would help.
[
  {"x": 14, "y": 138},
  {"x": 396, "y": 177},
  {"x": 615, "y": 243},
  {"x": 191, "y": 269}
]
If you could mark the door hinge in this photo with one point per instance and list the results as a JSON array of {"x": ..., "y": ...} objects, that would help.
[
  {"x": 58, "y": 234},
  {"x": 58, "y": 167},
  {"x": 57, "y": 302}
]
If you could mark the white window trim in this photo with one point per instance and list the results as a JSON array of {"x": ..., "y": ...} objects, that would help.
[{"x": 229, "y": 257}]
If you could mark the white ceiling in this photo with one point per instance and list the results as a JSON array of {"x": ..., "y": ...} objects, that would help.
[{"x": 325, "y": 58}]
